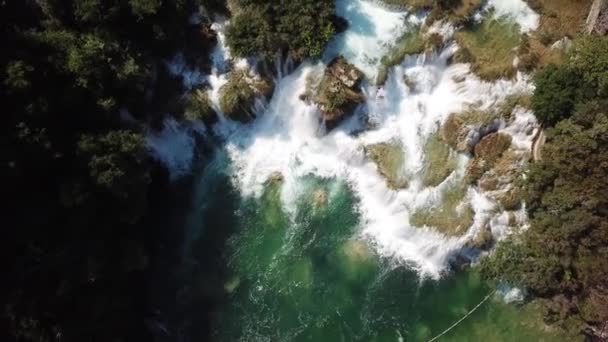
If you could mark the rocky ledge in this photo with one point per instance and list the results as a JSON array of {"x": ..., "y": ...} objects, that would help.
[{"x": 338, "y": 93}]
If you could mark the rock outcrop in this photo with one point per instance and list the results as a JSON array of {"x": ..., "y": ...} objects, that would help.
[
  {"x": 456, "y": 134},
  {"x": 339, "y": 92},
  {"x": 487, "y": 152}
]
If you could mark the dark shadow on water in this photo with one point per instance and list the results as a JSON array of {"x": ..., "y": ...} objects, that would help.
[{"x": 187, "y": 284}]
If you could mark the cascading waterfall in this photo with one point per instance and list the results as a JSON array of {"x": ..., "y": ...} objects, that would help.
[
  {"x": 319, "y": 246},
  {"x": 288, "y": 138}
]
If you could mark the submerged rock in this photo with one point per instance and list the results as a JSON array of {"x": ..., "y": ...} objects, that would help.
[
  {"x": 357, "y": 251},
  {"x": 357, "y": 259},
  {"x": 301, "y": 273},
  {"x": 338, "y": 93},
  {"x": 231, "y": 285},
  {"x": 319, "y": 198},
  {"x": 456, "y": 133}
]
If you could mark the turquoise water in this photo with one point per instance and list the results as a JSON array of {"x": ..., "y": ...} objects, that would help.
[{"x": 307, "y": 275}]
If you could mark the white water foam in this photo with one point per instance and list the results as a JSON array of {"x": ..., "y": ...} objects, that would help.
[
  {"x": 516, "y": 10},
  {"x": 372, "y": 30},
  {"x": 288, "y": 138},
  {"x": 174, "y": 147}
]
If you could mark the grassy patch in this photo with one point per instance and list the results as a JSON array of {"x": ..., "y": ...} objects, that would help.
[
  {"x": 491, "y": 47},
  {"x": 440, "y": 161},
  {"x": 452, "y": 217},
  {"x": 390, "y": 159}
]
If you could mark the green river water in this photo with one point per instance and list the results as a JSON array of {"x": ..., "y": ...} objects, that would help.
[{"x": 308, "y": 276}]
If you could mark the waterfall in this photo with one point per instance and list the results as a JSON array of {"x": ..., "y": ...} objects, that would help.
[
  {"x": 287, "y": 137},
  {"x": 174, "y": 147}
]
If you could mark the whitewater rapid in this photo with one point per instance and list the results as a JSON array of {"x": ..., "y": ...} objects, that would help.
[{"x": 288, "y": 138}]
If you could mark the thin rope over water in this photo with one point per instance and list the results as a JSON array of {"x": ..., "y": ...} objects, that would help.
[{"x": 463, "y": 317}]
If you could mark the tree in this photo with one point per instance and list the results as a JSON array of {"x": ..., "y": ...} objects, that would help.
[
  {"x": 563, "y": 254},
  {"x": 557, "y": 91},
  {"x": 300, "y": 27},
  {"x": 143, "y": 8}
]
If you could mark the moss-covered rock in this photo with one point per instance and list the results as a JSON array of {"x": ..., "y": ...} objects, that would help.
[
  {"x": 238, "y": 95},
  {"x": 453, "y": 216},
  {"x": 456, "y": 133},
  {"x": 506, "y": 171},
  {"x": 440, "y": 161},
  {"x": 483, "y": 240},
  {"x": 411, "y": 43},
  {"x": 390, "y": 159},
  {"x": 338, "y": 93},
  {"x": 490, "y": 48},
  {"x": 492, "y": 146},
  {"x": 487, "y": 152},
  {"x": 511, "y": 199},
  {"x": 198, "y": 107}
]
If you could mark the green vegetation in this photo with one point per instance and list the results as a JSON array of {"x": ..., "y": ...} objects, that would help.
[
  {"x": 80, "y": 238},
  {"x": 563, "y": 256},
  {"x": 583, "y": 78},
  {"x": 299, "y": 27},
  {"x": 491, "y": 47},
  {"x": 559, "y": 89}
]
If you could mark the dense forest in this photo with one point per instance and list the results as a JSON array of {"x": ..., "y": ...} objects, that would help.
[
  {"x": 563, "y": 256},
  {"x": 82, "y": 82}
]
